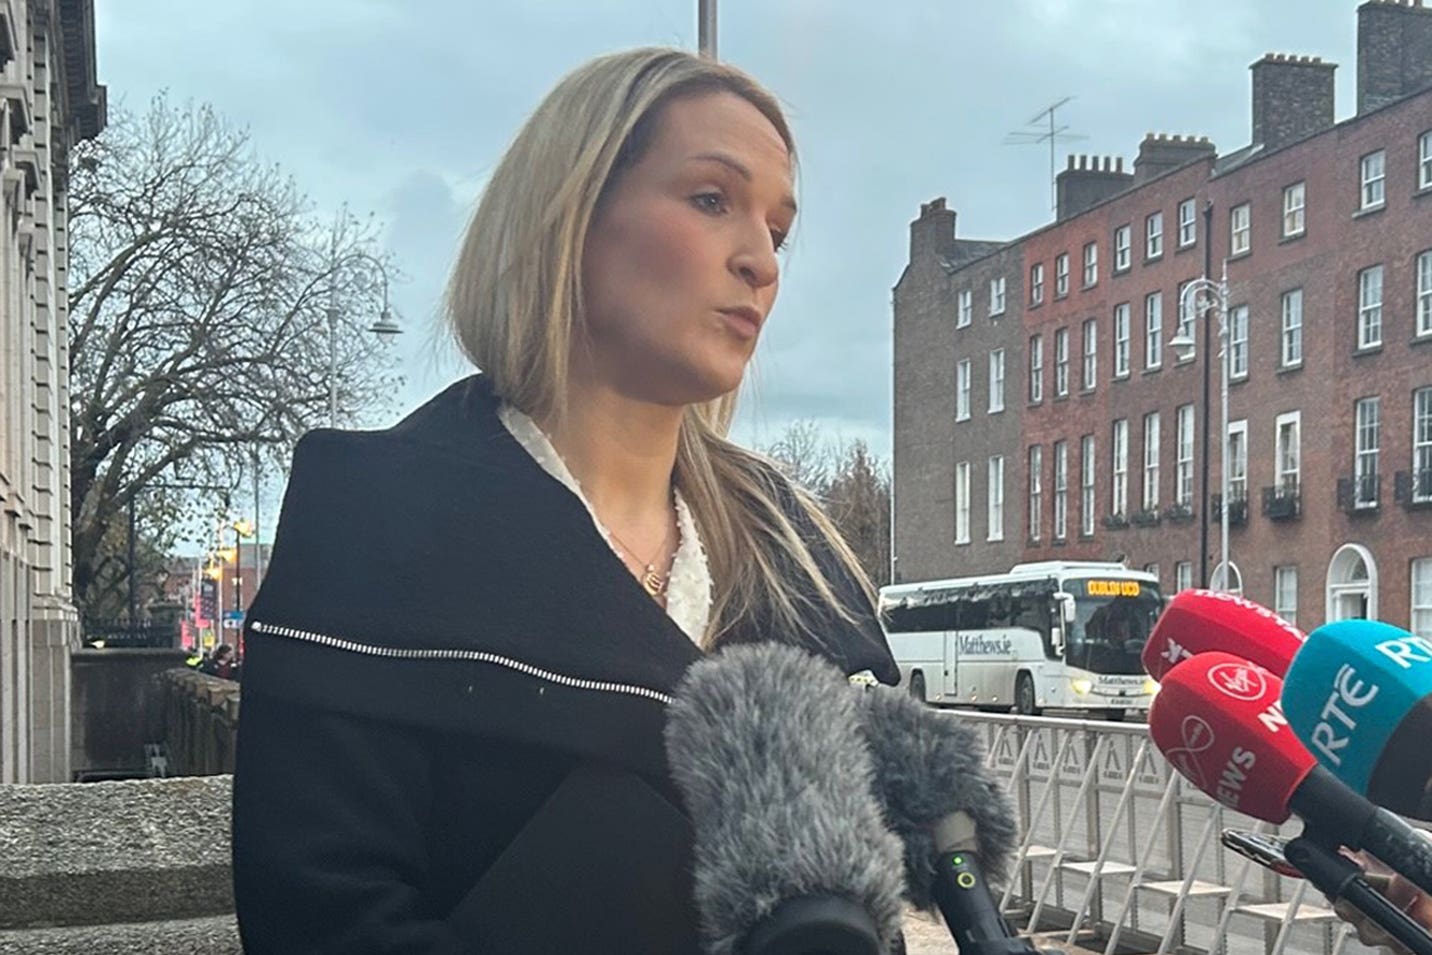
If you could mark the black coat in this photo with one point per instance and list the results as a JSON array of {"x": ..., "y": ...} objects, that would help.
[{"x": 454, "y": 695}]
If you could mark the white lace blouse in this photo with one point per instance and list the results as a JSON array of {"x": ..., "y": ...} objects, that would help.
[{"x": 688, "y": 589}]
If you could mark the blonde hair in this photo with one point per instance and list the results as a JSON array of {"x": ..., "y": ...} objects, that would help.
[{"x": 515, "y": 296}]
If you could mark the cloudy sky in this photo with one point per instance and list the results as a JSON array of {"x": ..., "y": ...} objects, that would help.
[{"x": 402, "y": 107}]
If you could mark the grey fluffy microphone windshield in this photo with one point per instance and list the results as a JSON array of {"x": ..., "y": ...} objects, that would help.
[
  {"x": 928, "y": 767},
  {"x": 764, "y": 745}
]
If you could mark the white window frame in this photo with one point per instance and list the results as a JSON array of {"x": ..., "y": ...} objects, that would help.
[
  {"x": 1061, "y": 490},
  {"x": 1187, "y": 222},
  {"x": 994, "y": 515},
  {"x": 1369, "y": 307},
  {"x": 1240, "y": 228},
  {"x": 1287, "y": 460},
  {"x": 963, "y": 389},
  {"x": 1238, "y": 342},
  {"x": 1036, "y": 492},
  {"x": 1036, "y": 369},
  {"x": 1119, "y": 496},
  {"x": 1295, "y": 199},
  {"x": 1183, "y": 473},
  {"x": 996, "y": 296},
  {"x": 1420, "y": 593},
  {"x": 1187, "y": 311},
  {"x": 1153, "y": 331},
  {"x": 1122, "y": 335},
  {"x": 1237, "y": 450},
  {"x": 1036, "y": 283},
  {"x": 996, "y": 381},
  {"x": 1153, "y": 235},
  {"x": 965, "y": 309},
  {"x": 1091, "y": 353},
  {"x": 1061, "y": 274},
  {"x": 1291, "y": 349},
  {"x": 1091, "y": 264},
  {"x": 1424, "y": 294},
  {"x": 962, "y": 502},
  {"x": 1373, "y": 178},
  {"x": 1285, "y": 592},
  {"x": 1422, "y": 444},
  {"x": 1123, "y": 247},
  {"x": 1088, "y": 479},
  {"x": 1424, "y": 160},
  {"x": 1182, "y": 576},
  {"x": 1367, "y": 448},
  {"x": 1061, "y": 362},
  {"x": 1151, "y": 461}
]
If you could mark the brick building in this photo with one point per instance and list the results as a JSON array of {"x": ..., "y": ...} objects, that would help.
[{"x": 1326, "y": 230}]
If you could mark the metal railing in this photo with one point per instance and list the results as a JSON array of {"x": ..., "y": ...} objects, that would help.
[{"x": 1121, "y": 854}]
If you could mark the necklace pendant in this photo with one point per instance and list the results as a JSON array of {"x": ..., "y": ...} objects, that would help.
[{"x": 653, "y": 582}]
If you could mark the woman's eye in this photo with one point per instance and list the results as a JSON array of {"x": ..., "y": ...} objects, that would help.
[
  {"x": 712, "y": 202},
  {"x": 778, "y": 240}
]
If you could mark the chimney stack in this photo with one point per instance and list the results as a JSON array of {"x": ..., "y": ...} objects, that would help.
[
  {"x": 1394, "y": 51},
  {"x": 1088, "y": 181},
  {"x": 934, "y": 232},
  {"x": 1292, "y": 98},
  {"x": 1160, "y": 152}
]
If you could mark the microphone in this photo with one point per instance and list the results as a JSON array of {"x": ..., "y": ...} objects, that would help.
[
  {"x": 1197, "y": 621},
  {"x": 1218, "y": 720},
  {"x": 955, "y": 820},
  {"x": 1359, "y": 696},
  {"x": 791, "y": 853}
]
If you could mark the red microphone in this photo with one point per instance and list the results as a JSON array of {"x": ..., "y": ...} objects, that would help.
[
  {"x": 1218, "y": 720},
  {"x": 1197, "y": 621}
]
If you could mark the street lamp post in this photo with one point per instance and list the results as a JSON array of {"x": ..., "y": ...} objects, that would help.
[
  {"x": 384, "y": 327},
  {"x": 1204, "y": 294},
  {"x": 706, "y": 27}
]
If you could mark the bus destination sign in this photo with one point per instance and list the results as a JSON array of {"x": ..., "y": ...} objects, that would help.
[{"x": 1113, "y": 588}]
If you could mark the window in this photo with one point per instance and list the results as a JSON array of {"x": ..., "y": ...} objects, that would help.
[
  {"x": 1237, "y": 461},
  {"x": 1121, "y": 340},
  {"x": 1153, "y": 236},
  {"x": 1086, "y": 485},
  {"x": 962, "y": 390},
  {"x": 996, "y": 296},
  {"x": 1120, "y": 498},
  {"x": 1154, "y": 570},
  {"x": 1123, "y": 241},
  {"x": 1187, "y": 223},
  {"x": 1183, "y": 476},
  {"x": 1292, "y": 353},
  {"x": 1091, "y": 353},
  {"x": 1368, "y": 436},
  {"x": 1182, "y": 575},
  {"x": 1036, "y": 369},
  {"x": 1293, "y": 202},
  {"x": 1373, "y": 179},
  {"x": 1061, "y": 490},
  {"x": 1036, "y": 283},
  {"x": 1424, "y": 160},
  {"x": 1061, "y": 362},
  {"x": 962, "y": 502},
  {"x": 1421, "y": 622},
  {"x": 1061, "y": 274},
  {"x": 1288, "y": 451},
  {"x": 1424, "y": 293},
  {"x": 1238, "y": 341},
  {"x": 1240, "y": 228},
  {"x": 1036, "y": 491},
  {"x": 1187, "y": 310},
  {"x": 966, "y": 308},
  {"x": 1091, "y": 264},
  {"x": 996, "y": 380},
  {"x": 1285, "y": 593},
  {"x": 996, "y": 498},
  {"x": 1422, "y": 445},
  {"x": 1151, "y": 461},
  {"x": 1153, "y": 330},
  {"x": 1369, "y": 307}
]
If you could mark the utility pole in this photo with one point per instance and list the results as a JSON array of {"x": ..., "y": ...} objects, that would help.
[{"x": 706, "y": 28}]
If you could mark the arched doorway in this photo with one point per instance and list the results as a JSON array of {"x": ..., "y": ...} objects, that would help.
[
  {"x": 1234, "y": 584},
  {"x": 1352, "y": 584}
]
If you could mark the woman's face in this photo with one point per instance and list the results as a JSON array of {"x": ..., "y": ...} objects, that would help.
[{"x": 680, "y": 268}]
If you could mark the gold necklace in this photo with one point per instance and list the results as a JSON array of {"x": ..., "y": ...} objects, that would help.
[{"x": 652, "y": 581}]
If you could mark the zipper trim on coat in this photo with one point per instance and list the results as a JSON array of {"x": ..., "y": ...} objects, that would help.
[{"x": 478, "y": 656}]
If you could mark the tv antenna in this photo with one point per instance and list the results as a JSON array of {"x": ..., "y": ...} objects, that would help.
[{"x": 1047, "y": 130}]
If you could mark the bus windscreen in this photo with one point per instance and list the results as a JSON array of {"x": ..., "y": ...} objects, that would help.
[{"x": 1112, "y": 622}]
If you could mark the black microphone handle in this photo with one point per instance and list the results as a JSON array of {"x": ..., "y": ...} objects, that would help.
[
  {"x": 964, "y": 898},
  {"x": 1335, "y": 812},
  {"x": 1338, "y": 877}
]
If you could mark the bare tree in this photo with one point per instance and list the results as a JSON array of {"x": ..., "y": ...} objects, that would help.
[
  {"x": 803, "y": 453},
  {"x": 200, "y": 290}
]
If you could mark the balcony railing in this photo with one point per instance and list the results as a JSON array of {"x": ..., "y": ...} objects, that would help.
[
  {"x": 1282, "y": 502},
  {"x": 1413, "y": 489},
  {"x": 1359, "y": 494},
  {"x": 1237, "y": 508}
]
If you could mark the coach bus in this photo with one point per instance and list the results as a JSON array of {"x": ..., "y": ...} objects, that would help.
[{"x": 1055, "y": 634}]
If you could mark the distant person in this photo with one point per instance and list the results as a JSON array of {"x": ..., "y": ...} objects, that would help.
[
  {"x": 221, "y": 664},
  {"x": 457, "y": 667}
]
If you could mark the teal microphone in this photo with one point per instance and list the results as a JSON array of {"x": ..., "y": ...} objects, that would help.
[{"x": 1359, "y": 696}]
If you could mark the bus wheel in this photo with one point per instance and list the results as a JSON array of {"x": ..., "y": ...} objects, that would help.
[
  {"x": 917, "y": 686},
  {"x": 1024, "y": 696},
  {"x": 1115, "y": 714}
]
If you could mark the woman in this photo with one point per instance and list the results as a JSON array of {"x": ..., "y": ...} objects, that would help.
[{"x": 458, "y": 665}]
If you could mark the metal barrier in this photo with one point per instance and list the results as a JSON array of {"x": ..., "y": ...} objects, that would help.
[{"x": 1122, "y": 855}]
